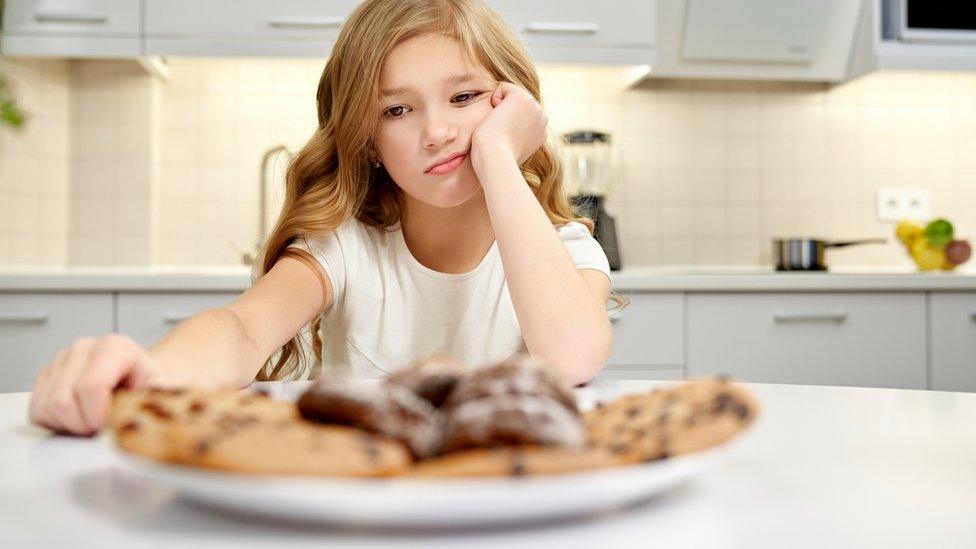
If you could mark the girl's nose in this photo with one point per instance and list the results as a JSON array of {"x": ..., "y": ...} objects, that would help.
[{"x": 437, "y": 133}]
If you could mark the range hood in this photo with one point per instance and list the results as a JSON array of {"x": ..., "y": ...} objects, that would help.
[{"x": 808, "y": 40}]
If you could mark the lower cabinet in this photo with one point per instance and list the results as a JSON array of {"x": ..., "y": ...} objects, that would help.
[
  {"x": 148, "y": 317},
  {"x": 649, "y": 330},
  {"x": 867, "y": 340},
  {"x": 952, "y": 329},
  {"x": 35, "y": 326},
  {"x": 648, "y": 337}
]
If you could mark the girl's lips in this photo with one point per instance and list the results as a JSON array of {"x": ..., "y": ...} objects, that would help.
[{"x": 448, "y": 166}]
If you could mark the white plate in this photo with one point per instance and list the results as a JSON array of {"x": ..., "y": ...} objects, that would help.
[{"x": 428, "y": 502}]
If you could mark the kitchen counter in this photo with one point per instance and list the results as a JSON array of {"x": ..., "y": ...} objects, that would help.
[
  {"x": 646, "y": 279},
  {"x": 824, "y": 467}
]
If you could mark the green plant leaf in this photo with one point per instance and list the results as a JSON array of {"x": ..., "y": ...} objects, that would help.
[{"x": 10, "y": 114}]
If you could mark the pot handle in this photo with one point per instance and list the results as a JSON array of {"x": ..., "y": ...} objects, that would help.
[{"x": 853, "y": 242}]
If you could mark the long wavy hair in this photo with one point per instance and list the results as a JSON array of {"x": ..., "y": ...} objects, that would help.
[{"x": 332, "y": 179}]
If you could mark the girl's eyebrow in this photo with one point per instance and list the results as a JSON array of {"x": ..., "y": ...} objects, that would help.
[{"x": 454, "y": 80}]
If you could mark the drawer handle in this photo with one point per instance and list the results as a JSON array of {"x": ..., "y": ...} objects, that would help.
[
  {"x": 24, "y": 318},
  {"x": 67, "y": 17},
  {"x": 585, "y": 28},
  {"x": 810, "y": 317},
  {"x": 306, "y": 22},
  {"x": 176, "y": 317}
]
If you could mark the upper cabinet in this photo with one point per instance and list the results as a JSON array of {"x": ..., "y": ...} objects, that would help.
[
  {"x": 294, "y": 28},
  {"x": 556, "y": 31},
  {"x": 71, "y": 28},
  {"x": 567, "y": 31}
]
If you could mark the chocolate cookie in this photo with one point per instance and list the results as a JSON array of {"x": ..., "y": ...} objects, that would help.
[
  {"x": 388, "y": 409},
  {"x": 512, "y": 419},
  {"x": 519, "y": 375},
  {"x": 514, "y": 461},
  {"x": 140, "y": 418},
  {"x": 431, "y": 378},
  {"x": 287, "y": 446},
  {"x": 689, "y": 417}
]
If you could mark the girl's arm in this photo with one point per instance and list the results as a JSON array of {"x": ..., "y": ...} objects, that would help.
[
  {"x": 222, "y": 346},
  {"x": 561, "y": 309},
  {"x": 228, "y": 345}
]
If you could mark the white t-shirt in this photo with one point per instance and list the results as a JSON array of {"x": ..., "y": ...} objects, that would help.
[{"x": 390, "y": 309}]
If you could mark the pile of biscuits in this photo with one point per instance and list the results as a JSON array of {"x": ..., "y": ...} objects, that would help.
[{"x": 436, "y": 418}]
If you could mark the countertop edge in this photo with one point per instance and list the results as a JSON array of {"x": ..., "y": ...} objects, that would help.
[{"x": 632, "y": 281}]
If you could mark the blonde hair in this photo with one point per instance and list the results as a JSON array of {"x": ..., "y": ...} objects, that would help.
[{"x": 331, "y": 179}]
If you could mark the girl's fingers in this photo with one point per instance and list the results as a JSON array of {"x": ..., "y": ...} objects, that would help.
[
  {"x": 60, "y": 403},
  {"x": 42, "y": 380},
  {"x": 114, "y": 358},
  {"x": 42, "y": 391}
]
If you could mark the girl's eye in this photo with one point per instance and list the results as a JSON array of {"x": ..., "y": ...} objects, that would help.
[
  {"x": 388, "y": 113},
  {"x": 467, "y": 97},
  {"x": 471, "y": 95}
]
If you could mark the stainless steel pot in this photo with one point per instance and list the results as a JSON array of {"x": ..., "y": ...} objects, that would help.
[{"x": 807, "y": 254}]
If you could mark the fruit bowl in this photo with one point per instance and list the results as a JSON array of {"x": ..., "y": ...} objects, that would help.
[{"x": 933, "y": 246}]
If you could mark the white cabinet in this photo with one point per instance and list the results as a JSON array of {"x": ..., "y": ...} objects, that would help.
[
  {"x": 146, "y": 318},
  {"x": 34, "y": 327},
  {"x": 869, "y": 340},
  {"x": 559, "y": 31},
  {"x": 648, "y": 338},
  {"x": 952, "y": 328},
  {"x": 244, "y": 27},
  {"x": 72, "y": 28},
  {"x": 577, "y": 31}
]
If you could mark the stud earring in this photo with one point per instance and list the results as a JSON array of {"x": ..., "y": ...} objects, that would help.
[{"x": 377, "y": 165}]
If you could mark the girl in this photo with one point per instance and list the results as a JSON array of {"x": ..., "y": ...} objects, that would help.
[{"x": 425, "y": 214}]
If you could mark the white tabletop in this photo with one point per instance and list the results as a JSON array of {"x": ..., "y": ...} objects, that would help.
[{"x": 825, "y": 467}]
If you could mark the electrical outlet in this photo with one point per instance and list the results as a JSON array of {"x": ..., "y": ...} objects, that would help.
[{"x": 895, "y": 204}]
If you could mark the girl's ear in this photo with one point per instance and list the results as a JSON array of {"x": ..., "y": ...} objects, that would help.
[{"x": 496, "y": 96}]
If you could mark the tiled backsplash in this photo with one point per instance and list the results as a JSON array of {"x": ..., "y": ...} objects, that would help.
[
  {"x": 35, "y": 164},
  {"x": 167, "y": 172}
]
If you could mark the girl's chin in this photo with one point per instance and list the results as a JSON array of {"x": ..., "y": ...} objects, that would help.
[{"x": 451, "y": 194}]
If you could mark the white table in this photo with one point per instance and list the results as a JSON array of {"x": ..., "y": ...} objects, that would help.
[{"x": 825, "y": 467}]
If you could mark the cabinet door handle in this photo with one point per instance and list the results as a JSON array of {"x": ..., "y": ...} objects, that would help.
[
  {"x": 39, "y": 317},
  {"x": 585, "y": 28},
  {"x": 284, "y": 21},
  {"x": 175, "y": 317},
  {"x": 68, "y": 17},
  {"x": 839, "y": 316}
]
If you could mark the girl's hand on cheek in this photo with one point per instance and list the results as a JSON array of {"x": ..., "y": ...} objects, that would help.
[{"x": 516, "y": 124}]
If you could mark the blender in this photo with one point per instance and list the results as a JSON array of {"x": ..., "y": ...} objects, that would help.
[{"x": 591, "y": 165}]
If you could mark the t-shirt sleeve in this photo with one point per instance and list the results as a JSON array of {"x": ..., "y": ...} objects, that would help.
[
  {"x": 583, "y": 248},
  {"x": 326, "y": 251}
]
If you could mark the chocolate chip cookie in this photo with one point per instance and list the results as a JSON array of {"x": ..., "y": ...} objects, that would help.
[
  {"x": 139, "y": 418},
  {"x": 243, "y": 444},
  {"x": 688, "y": 417},
  {"x": 514, "y": 461}
]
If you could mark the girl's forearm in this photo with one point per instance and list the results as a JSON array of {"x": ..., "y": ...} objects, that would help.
[
  {"x": 561, "y": 320},
  {"x": 210, "y": 349}
]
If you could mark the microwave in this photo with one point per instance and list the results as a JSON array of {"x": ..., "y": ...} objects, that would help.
[{"x": 942, "y": 21}]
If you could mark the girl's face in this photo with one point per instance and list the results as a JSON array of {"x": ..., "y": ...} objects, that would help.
[{"x": 430, "y": 102}]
